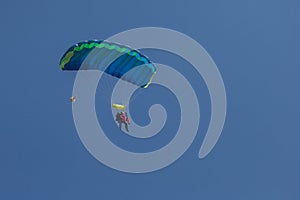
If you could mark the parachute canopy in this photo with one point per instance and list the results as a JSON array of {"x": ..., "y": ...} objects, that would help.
[
  {"x": 114, "y": 59},
  {"x": 118, "y": 106}
]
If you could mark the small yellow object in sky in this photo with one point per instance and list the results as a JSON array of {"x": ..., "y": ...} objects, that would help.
[{"x": 118, "y": 106}]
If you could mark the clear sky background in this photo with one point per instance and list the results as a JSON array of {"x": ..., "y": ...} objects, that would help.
[{"x": 255, "y": 44}]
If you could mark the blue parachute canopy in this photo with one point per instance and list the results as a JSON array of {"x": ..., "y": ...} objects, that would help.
[{"x": 114, "y": 59}]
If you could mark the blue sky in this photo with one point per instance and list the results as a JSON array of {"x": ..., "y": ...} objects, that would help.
[{"x": 256, "y": 47}]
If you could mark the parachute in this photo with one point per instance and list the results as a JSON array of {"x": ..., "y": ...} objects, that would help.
[
  {"x": 114, "y": 59},
  {"x": 118, "y": 106}
]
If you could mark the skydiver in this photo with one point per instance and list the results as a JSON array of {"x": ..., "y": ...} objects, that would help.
[
  {"x": 119, "y": 119},
  {"x": 73, "y": 99},
  {"x": 124, "y": 119}
]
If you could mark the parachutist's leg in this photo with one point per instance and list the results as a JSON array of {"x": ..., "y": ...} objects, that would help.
[
  {"x": 120, "y": 125},
  {"x": 126, "y": 127}
]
